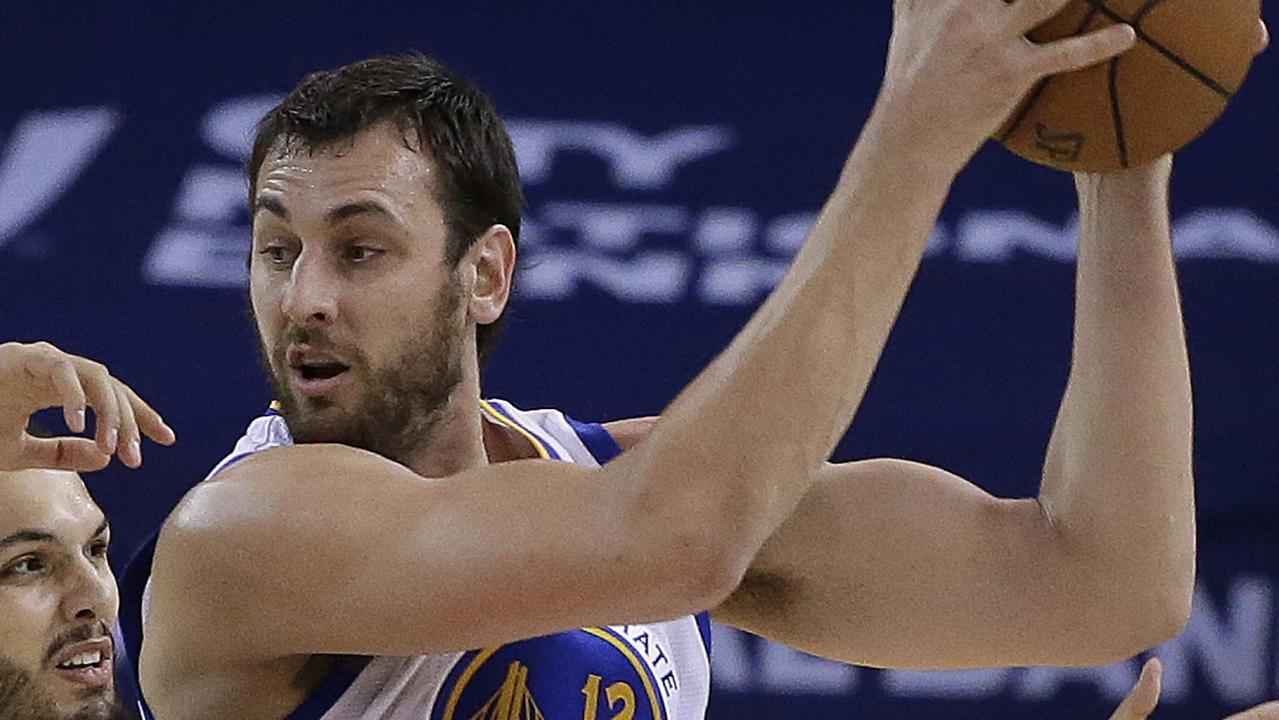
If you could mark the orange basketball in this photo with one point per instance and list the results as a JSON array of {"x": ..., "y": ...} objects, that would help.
[{"x": 1190, "y": 59}]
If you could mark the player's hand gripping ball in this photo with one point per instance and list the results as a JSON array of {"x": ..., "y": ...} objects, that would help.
[{"x": 1190, "y": 59}]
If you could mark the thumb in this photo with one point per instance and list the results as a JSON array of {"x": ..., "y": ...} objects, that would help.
[{"x": 62, "y": 453}]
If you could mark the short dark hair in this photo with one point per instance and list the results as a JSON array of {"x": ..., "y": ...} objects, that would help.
[{"x": 478, "y": 184}]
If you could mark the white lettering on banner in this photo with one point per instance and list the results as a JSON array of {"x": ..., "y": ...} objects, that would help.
[
  {"x": 634, "y": 162},
  {"x": 1225, "y": 233},
  {"x": 207, "y": 240},
  {"x": 1232, "y": 643},
  {"x": 995, "y": 235},
  {"x": 791, "y": 672},
  {"x": 613, "y": 227},
  {"x": 956, "y": 685},
  {"x": 229, "y": 128},
  {"x": 655, "y": 276},
  {"x": 1112, "y": 682},
  {"x": 630, "y": 250},
  {"x": 43, "y": 156}
]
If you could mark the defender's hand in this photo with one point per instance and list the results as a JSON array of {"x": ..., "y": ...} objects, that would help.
[
  {"x": 1144, "y": 696},
  {"x": 958, "y": 68},
  {"x": 38, "y": 376}
]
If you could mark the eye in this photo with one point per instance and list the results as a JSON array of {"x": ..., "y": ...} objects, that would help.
[
  {"x": 24, "y": 567},
  {"x": 360, "y": 253},
  {"x": 98, "y": 548},
  {"x": 278, "y": 252}
]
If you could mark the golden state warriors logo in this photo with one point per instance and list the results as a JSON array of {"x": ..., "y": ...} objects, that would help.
[{"x": 587, "y": 674}]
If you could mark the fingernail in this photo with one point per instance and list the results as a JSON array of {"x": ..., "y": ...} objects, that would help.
[
  {"x": 79, "y": 420},
  {"x": 135, "y": 451},
  {"x": 113, "y": 437}
]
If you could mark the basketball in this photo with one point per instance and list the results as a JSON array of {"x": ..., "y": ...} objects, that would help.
[{"x": 1190, "y": 58}]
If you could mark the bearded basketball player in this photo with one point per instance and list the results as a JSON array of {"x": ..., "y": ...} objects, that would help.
[{"x": 360, "y": 556}]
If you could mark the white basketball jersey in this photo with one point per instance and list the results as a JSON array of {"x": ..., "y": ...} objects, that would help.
[{"x": 658, "y": 671}]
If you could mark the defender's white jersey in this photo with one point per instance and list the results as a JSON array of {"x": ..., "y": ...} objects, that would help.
[{"x": 659, "y": 671}]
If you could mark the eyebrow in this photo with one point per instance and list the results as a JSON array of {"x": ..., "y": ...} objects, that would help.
[
  {"x": 271, "y": 205},
  {"x": 355, "y": 209},
  {"x": 28, "y": 535},
  {"x": 332, "y": 217}
]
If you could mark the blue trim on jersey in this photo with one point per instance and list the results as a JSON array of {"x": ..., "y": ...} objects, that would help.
[
  {"x": 704, "y": 629},
  {"x": 329, "y": 690},
  {"x": 133, "y": 584},
  {"x": 233, "y": 460},
  {"x": 596, "y": 439}
]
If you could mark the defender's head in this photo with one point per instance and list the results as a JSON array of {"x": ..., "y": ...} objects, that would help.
[
  {"x": 58, "y": 600},
  {"x": 386, "y": 212}
]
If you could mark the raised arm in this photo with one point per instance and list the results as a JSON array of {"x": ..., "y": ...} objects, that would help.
[{"x": 897, "y": 564}]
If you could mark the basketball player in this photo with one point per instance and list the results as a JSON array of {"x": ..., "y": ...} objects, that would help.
[
  {"x": 58, "y": 599},
  {"x": 358, "y": 556}
]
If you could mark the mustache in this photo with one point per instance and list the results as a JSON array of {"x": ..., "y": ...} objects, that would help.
[{"x": 80, "y": 633}]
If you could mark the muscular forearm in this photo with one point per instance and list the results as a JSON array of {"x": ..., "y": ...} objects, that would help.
[
  {"x": 1117, "y": 481},
  {"x": 766, "y": 414}
]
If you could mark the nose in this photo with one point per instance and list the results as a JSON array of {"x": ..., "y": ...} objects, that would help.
[
  {"x": 311, "y": 294},
  {"x": 91, "y": 593}
]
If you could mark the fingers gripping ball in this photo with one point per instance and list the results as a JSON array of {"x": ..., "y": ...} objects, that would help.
[{"x": 1190, "y": 58}]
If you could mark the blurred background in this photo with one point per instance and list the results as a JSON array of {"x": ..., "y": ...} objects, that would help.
[{"x": 674, "y": 156}]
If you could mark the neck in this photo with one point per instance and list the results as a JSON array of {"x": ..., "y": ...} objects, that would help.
[{"x": 456, "y": 442}]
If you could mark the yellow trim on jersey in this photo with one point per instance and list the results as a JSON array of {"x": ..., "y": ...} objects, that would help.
[
  {"x": 275, "y": 405},
  {"x": 465, "y": 680},
  {"x": 497, "y": 415},
  {"x": 635, "y": 662}
]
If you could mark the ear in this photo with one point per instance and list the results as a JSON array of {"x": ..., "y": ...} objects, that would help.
[{"x": 491, "y": 261}]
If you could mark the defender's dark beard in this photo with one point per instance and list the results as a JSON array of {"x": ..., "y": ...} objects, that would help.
[
  {"x": 20, "y": 700},
  {"x": 400, "y": 404}
]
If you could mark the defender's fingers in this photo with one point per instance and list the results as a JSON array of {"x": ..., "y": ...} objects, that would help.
[
  {"x": 70, "y": 394},
  {"x": 102, "y": 398},
  {"x": 1144, "y": 696},
  {"x": 149, "y": 421},
  {"x": 63, "y": 453},
  {"x": 1081, "y": 51},
  {"x": 129, "y": 447},
  {"x": 1026, "y": 15}
]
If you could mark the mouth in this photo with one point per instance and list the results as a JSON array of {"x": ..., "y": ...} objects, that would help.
[
  {"x": 314, "y": 373},
  {"x": 86, "y": 663}
]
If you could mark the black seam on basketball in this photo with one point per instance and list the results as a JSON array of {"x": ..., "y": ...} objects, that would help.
[
  {"x": 1160, "y": 48},
  {"x": 1145, "y": 10},
  {"x": 1029, "y": 105},
  {"x": 1120, "y": 142}
]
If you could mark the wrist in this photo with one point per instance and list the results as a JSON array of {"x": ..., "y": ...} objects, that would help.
[
  {"x": 1140, "y": 184},
  {"x": 893, "y": 143}
]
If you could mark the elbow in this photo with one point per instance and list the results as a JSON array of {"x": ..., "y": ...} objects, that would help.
[
  {"x": 1165, "y": 614},
  {"x": 697, "y": 552},
  {"x": 1136, "y": 622}
]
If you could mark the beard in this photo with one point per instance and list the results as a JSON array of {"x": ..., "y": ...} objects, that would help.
[
  {"x": 400, "y": 403},
  {"x": 20, "y": 699}
]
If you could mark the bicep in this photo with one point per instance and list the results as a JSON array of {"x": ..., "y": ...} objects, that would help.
[
  {"x": 343, "y": 552},
  {"x": 893, "y": 563}
]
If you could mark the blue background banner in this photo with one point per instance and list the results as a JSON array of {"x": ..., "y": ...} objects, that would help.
[{"x": 674, "y": 157}]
